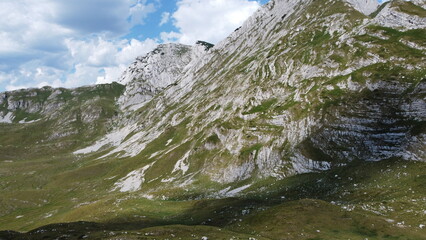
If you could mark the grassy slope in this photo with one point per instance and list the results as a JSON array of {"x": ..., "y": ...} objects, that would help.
[
  {"x": 38, "y": 173},
  {"x": 66, "y": 121},
  {"x": 361, "y": 200}
]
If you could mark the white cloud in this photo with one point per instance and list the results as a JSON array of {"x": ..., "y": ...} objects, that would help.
[
  {"x": 135, "y": 48},
  {"x": 93, "y": 61},
  {"x": 170, "y": 36},
  {"x": 26, "y": 30},
  {"x": 209, "y": 20},
  {"x": 82, "y": 75},
  {"x": 41, "y": 26},
  {"x": 140, "y": 10},
  {"x": 32, "y": 75},
  {"x": 102, "y": 61},
  {"x": 111, "y": 74},
  {"x": 165, "y": 17},
  {"x": 94, "y": 52},
  {"x": 128, "y": 53},
  {"x": 68, "y": 43}
]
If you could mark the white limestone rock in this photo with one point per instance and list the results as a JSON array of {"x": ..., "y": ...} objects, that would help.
[
  {"x": 391, "y": 16},
  {"x": 133, "y": 181},
  {"x": 6, "y": 118},
  {"x": 421, "y": 3},
  {"x": 152, "y": 73},
  {"x": 364, "y": 6}
]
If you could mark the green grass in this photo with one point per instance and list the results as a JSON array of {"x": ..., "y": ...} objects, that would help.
[
  {"x": 287, "y": 105},
  {"x": 410, "y": 8},
  {"x": 338, "y": 204},
  {"x": 315, "y": 219},
  {"x": 214, "y": 139},
  {"x": 392, "y": 46},
  {"x": 263, "y": 107},
  {"x": 245, "y": 152},
  {"x": 235, "y": 123},
  {"x": 382, "y": 6},
  {"x": 320, "y": 37}
]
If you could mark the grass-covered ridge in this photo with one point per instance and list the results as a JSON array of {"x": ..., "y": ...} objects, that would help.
[{"x": 59, "y": 120}]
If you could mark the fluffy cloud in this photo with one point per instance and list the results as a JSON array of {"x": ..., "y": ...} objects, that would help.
[
  {"x": 129, "y": 50},
  {"x": 31, "y": 26},
  {"x": 208, "y": 20},
  {"x": 68, "y": 43},
  {"x": 140, "y": 11},
  {"x": 26, "y": 33},
  {"x": 91, "y": 61}
]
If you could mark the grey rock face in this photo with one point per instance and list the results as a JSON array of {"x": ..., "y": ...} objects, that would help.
[
  {"x": 380, "y": 125},
  {"x": 365, "y": 6},
  {"x": 392, "y": 16},
  {"x": 150, "y": 74}
]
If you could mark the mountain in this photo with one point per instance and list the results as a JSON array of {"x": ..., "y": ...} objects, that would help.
[{"x": 309, "y": 119}]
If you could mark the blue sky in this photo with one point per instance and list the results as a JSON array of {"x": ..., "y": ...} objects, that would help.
[{"x": 69, "y": 43}]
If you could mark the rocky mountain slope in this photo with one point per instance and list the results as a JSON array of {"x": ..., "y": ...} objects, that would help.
[
  {"x": 292, "y": 92},
  {"x": 268, "y": 101}
]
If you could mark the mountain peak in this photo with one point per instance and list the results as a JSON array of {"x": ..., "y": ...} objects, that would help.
[
  {"x": 162, "y": 54},
  {"x": 158, "y": 69},
  {"x": 364, "y": 6}
]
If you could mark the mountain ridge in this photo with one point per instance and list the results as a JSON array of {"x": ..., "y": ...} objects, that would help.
[
  {"x": 142, "y": 85},
  {"x": 293, "y": 93}
]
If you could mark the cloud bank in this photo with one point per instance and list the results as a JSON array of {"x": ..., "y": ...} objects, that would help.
[{"x": 208, "y": 20}]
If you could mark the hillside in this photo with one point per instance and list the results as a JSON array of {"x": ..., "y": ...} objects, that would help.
[{"x": 309, "y": 121}]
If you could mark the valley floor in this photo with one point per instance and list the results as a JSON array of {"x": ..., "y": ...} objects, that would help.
[{"x": 364, "y": 200}]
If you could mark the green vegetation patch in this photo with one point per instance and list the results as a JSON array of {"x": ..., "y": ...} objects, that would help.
[
  {"x": 214, "y": 139},
  {"x": 247, "y": 151},
  {"x": 392, "y": 46},
  {"x": 410, "y": 8},
  {"x": 22, "y": 115},
  {"x": 263, "y": 107}
]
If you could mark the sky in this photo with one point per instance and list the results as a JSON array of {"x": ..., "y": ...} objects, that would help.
[{"x": 70, "y": 43}]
